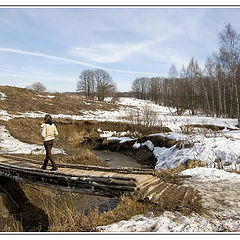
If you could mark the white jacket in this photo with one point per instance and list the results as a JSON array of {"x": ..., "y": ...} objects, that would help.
[{"x": 48, "y": 132}]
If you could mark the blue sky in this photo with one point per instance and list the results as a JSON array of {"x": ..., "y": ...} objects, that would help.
[{"x": 53, "y": 45}]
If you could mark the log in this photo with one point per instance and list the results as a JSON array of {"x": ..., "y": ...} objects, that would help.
[
  {"x": 117, "y": 182},
  {"x": 44, "y": 173},
  {"x": 87, "y": 167},
  {"x": 114, "y": 187}
]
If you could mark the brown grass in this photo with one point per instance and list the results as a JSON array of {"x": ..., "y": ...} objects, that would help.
[
  {"x": 25, "y": 100},
  {"x": 171, "y": 175},
  {"x": 65, "y": 216},
  {"x": 12, "y": 225},
  {"x": 76, "y": 138}
]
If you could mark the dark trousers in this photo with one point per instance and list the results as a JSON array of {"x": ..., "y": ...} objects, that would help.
[{"x": 48, "y": 147}]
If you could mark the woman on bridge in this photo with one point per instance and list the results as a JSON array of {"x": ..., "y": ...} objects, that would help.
[{"x": 49, "y": 131}]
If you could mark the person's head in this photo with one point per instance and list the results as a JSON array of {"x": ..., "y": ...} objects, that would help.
[{"x": 48, "y": 118}]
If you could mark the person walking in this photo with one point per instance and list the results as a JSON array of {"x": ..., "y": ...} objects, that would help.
[{"x": 48, "y": 133}]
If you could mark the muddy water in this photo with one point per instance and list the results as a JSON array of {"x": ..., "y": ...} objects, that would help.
[
  {"x": 115, "y": 159},
  {"x": 84, "y": 203}
]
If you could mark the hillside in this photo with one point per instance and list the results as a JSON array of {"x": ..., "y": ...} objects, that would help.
[
  {"x": 203, "y": 148},
  {"x": 21, "y": 100}
]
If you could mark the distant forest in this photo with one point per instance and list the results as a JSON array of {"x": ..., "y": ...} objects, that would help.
[{"x": 213, "y": 89}]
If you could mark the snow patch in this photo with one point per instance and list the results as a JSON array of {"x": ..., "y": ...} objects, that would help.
[
  {"x": 10, "y": 145},
  {"x": 167, "y": 222},
  {"x": 47, "y": 96},
  {"x": 148, "y": 144},
  {"x": 2, "y": 96},
  {"x": 211, "y": 173}
]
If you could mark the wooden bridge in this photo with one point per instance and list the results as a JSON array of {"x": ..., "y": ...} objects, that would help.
[{"x": 99, "y": 181}]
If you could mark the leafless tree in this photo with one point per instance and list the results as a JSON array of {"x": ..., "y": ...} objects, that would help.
[
  {"x": 229, "y": 58},
  {"x": 104, "y": 84},
  {"x": 140, "y": 87},
  {"x": 97, "y": 83},
  {"x": 154, "y": 89},
  {"x": 86, "y": 83},
  {"x": 37, "y": 86}
]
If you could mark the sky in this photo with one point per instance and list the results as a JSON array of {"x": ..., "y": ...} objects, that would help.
[{"x": 54, "y": 45}]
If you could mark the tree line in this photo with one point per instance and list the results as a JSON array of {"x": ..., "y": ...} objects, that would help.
[
  {"x": 96, "y": 83},
  {"x": 212, "y": 89}
]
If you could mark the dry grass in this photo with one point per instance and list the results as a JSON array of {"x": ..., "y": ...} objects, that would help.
[
  {"x": 76, "y": 138},
  {"x": 25, "y": 100},
  {"x": 171, "y": 175},
  {"x": 71, "y": 221},
  {"x": 12, "y": 225},
  {"x": 65, "y": 215}
]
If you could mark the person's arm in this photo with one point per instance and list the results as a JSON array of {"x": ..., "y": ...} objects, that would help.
[
  {"x": 44, "y": 131},
  {"x": 55, "y": 130}
]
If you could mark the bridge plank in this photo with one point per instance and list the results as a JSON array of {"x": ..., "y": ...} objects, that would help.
[{"x": 98, "y": 181}]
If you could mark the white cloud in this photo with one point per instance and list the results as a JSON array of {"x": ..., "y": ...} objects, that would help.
[
  {"x": 116, "y": 52},
  {"x": 63, "y": 59},
  {"x": 108, "y": 52}
]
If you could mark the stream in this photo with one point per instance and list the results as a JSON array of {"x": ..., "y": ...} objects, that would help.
[{"x": 115, "y": 159}]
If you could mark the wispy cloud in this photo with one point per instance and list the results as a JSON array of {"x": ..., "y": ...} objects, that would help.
[
  {"x": 108, "y": 52},
  {"x": 116, "y": 52},
  {"x": 63, "y": 59}
]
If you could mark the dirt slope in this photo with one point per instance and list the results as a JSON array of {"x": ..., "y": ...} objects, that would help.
[{"x": 25, "y": 100}]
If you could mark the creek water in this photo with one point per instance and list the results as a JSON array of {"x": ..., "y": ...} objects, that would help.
[
  {"x": 83, "y": 202},
  {"x": 115, "y": 160}
]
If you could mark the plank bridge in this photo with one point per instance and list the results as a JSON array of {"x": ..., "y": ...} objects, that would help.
[{"x": 102, "y": 181}]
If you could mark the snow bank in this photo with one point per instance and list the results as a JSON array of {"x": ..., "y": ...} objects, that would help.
[
  {"x": 207, "y": 146},
  {"x": 204, "y": 174},
  {"x": 164, "y": 115},
  {"x": 167, "y": 222},
  {"x": 220, "y": 192},
  {"x": 10, "y": 145},
  {"x": 206, "y": 149}
]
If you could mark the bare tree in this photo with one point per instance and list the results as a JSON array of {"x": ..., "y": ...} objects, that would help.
[
  {"x": 96, "y": 83},
  {"x": 154, "y": 89},
  {"x": 229, "y": 57},
  {"x": 173, "y": 74},
  {"x": 104, "y": 84},
  {"x": 37, "y": 86},
  {"x": 86, "y": 83},
  {"x": 140, "y": 87}
]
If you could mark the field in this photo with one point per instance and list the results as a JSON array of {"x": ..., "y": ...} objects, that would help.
[{"x": 197, "y": 151}]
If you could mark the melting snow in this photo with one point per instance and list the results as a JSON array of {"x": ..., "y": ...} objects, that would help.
[
  {"x": 8, "y": 144},
  {"x": 220, "y": 191}
]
